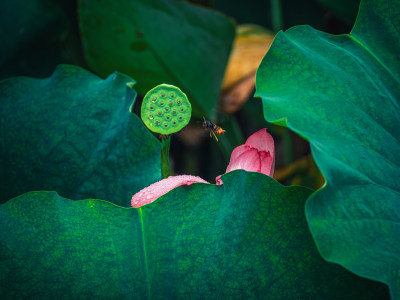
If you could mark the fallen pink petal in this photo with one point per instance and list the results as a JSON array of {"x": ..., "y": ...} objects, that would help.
[{"x": 159, "y": 188}]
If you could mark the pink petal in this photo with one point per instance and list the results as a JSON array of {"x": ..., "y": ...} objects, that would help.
[
  {"x": 262, "y": 141},
  {"x": 248, "y": 160},
  {"x": 157, "y": 189},
  {"x": 267, "y": 164},
  {"x": 236, "y": 153}
]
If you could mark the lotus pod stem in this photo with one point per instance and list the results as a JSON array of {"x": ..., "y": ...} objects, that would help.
[{"x": 165, "y": 142}]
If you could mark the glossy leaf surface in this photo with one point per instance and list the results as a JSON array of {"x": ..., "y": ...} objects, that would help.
[
  {"x": 342, "y": 94},
  {"x": 159, "y": 41},
  {"x": 245, "y": 239},
  {"x": 73, "y": 133}
]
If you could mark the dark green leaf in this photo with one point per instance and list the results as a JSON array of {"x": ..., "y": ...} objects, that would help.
[
  {"x": 22, "y": 22},
  {"x": 73, "y": 133},
  {"x": 36, "y": 36},
  {"x": 259, "y": 12},
  {"x": 346, "y": 10},
  {"x": 159, "y": 41},
  {"x": 245, "y": 239},
  {"x": 342, "y": 94}
]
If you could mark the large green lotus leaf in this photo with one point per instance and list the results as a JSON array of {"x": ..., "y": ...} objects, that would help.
[
  {"x": 73, "y": 133},
  {"x": 159, "y": 41},
  {"x": 245, "y": 239},
  {"x": 342, "y": 94}
]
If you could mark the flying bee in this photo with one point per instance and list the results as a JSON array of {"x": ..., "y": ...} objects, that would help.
[{"x": 213, "y": 128}]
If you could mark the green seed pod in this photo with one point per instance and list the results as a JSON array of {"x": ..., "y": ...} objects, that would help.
[{"x": 166, "y": 109}]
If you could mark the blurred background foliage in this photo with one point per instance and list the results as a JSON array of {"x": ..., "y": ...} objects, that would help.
[{"x": 213, "y": 59}]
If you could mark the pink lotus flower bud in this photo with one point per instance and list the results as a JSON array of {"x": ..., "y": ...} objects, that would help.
[
  {"x": 256, "y": 155},
  {"x": 159, "y": 188}
]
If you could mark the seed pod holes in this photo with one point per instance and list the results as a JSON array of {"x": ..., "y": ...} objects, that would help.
[{"x": 165, "y": 101}]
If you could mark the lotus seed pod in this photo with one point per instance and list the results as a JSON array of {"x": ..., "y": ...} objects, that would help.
[{"x": 165, "y": 109}]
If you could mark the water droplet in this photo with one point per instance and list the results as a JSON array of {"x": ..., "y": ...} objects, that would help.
[
  {"x": 166, "y": 109},
  {"x": 174, "y": 112},
  {"x": 154, "y": 100},
  {"x": 151, "y": 117},
  {"x": 159, "y": 113},
  {"x": 172, "y": 96}
]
